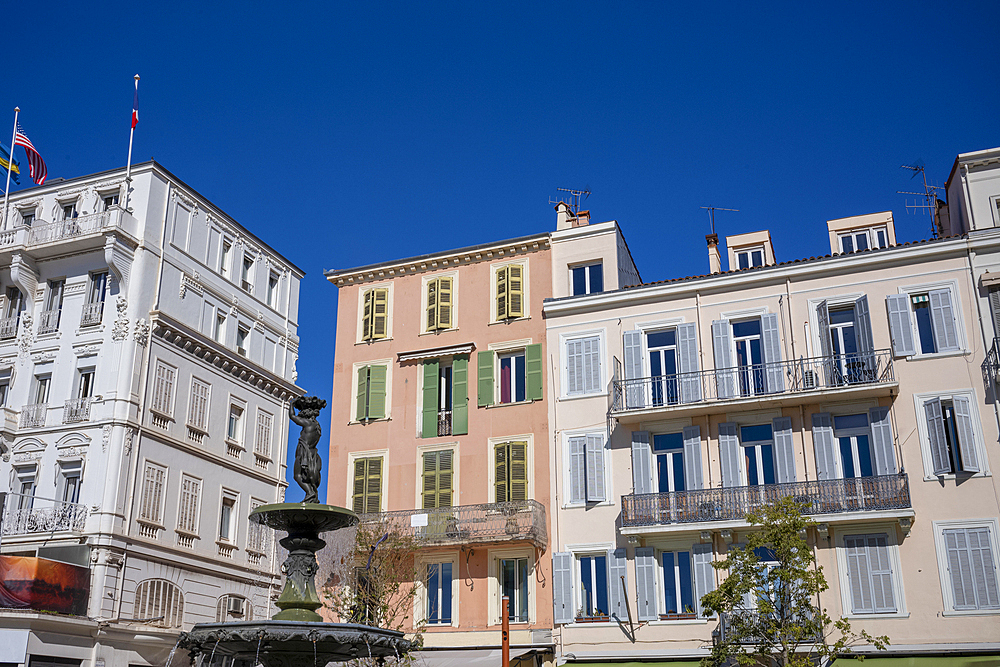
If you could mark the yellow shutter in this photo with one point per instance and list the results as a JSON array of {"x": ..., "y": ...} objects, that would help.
[
  {"x": 358, "y": 499},
  {"x": 515, "y": 290},
  {"x": 373, "y": 490},
  {"x": 366, "y": 319},
  {"x": 432, "y": 294},
  {"x": 518, "y": 471},
  {"x": 501, "y": 278},
  {"x": 501, "y": 473},
  {"x": 444, "y": 303},
  {"x": 380, "y": 313},
  {"x": 444, "y": 478}
]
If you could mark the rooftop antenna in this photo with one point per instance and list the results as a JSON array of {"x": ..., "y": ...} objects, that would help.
[
  {"x": 711, "y": 213},
  {"x": 929, "y": 194},
  {"x": 574, "y": 198}
]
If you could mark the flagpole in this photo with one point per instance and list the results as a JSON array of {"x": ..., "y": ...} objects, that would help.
[
  {"x": 10, "y": 165},
  {"x": 128, "y": 166}
]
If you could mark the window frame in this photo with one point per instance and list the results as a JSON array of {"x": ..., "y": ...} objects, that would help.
[
  {"x": 273, "y": 293},
  {"x": 263, "y": 453},
  {"x": 609, "y": 496},
  {"x": 420, "y": 600},
  {"x": 225, "y": 264},
  {"x": 234, "y": 512},
  {"x": 245, "y": 329},
  {"x": 843, "y": 568},
  {"x": 247, "y": 267},
  {"x": 388, "y": 363},
  {"x": 661, "y": 584},
  {"x": 199, "y": 498},
  {"x": 588, "y": 276},
  {"x": 926, "y": 455},
  {"x": 239, "y": 438},
  {"x": 940, "y": 547},
  {"x": 956, "y": 304},
  {"x": 748, "y": 251},
  {"x": 424, "y": 287},
  {"x": 201, "y": 427},
  {"x": 525, "y": 285},
  {"x": 165, "y": 411},
  {"x": 602, "y": 356},
  {"x": 494, "y": 557},
  {"x": 360, "y": 338}
]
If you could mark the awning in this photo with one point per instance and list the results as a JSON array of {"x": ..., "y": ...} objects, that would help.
[
  {"x": 436, "y": 352},
  {"x": 632, "y": 663},
  {"x": 485, "y": 657}
]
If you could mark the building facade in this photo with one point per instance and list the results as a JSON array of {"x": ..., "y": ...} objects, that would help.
[{"x": 147, "y": 355}]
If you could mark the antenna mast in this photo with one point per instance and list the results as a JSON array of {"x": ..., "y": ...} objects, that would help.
[
  {"x": 929, "y": 194},
  {"x": 574, "y": 198},
  {"x": 711, "y": 213}
]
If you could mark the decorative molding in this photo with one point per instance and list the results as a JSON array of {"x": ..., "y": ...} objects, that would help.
[
  {"x": 183, "y": 198},
  {"x": 120, "y": 330},
  {"x": 28, "y": 457},
  {"x": 26, "y": 336},
  {"x": 86, "y": 350},
  {"x": 105, "y": 437},
  {"x": 118, "y": 256},
  {"x": 71, "y": 452},
  {"x": 189, "y": 283},
  {"x": 4, "y": 449},
  {"x": 75, "y": 288},
  {"x": 141, "y": 334},
  {"x": 44, "y": 355},
  {"x": 129, "y": 434}
]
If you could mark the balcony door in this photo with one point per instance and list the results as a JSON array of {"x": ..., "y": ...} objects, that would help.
[
  {"x": 668, "y": 448},
  {"x": 749, "y": 357},
  {"x": 662, "y": 350}
]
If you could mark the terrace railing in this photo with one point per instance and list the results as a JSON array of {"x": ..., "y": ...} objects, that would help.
[{"x": 25, "y": 515}]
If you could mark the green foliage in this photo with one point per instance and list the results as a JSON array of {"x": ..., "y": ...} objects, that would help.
[{"x": 786, "y": 628}]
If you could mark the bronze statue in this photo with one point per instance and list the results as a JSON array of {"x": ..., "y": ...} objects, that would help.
[{"x": 308, "y": 465}]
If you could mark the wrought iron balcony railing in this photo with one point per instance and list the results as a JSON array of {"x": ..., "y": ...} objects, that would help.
[
  {"x": 33, "y": 415},
  {"x": 25, "y": 515},
  {"x": 76, "y": 410},
  {"x": 827, "y": 496},
  {"x": 48, "y": 321},
  {"x": 749, "y": 626},
  {"x": 8, "y": 328},
  {"x": 444, "y": 422},
  {"x": 92, "y": 313},
  {"x": 835, "y": 372},
  {"x": 517, "y": 521},
  {"x": 991, "y": 366}
]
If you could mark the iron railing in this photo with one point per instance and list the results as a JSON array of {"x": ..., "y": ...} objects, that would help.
[
  {"x": 25, "y": 515},
  {"x": 991, "y": 366},
  {"x": 64, "y": 229},
  {"x": 48, "y": 321},
  {"x": 825, "y": 496},
  {"x": 756, "y": 380},
  {"x": 92, "y": 313},
  {"x": 749, "y": 627},
  {"x": 444, "y": 422},
  {"x": 76, "y": 410},
  {"x": 33, "y": 415},
  {"x": 8, "y": 328},
  {"x": 517, "y": 521}
]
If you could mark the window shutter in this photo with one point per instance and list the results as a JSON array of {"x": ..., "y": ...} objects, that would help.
[
  {"x": 943, "y": 318},
  {"x": 882, "y": 445},
  {"x": 984, "y": 573},
  {"x": 859, "y": 574},
  {"x": 960, "y": 568},
  {"x": 687, "y": 362},
  {"x": 362, "y": 409},
  {"x": 500, "y": 473},
  {"x": 430, "y": 499},
  {"x": 729, "y": 454},
  {"x": 784, "y": 449},
  {"x": 900, "y": 325},
  {"x": 373, "y": 486},
  {"x": 444, "y": 305},
  {"x": 774, "y": 374},
  {"x": 485, "y": 377},
  {"x": 725, "y": 378},
  {"x": 645, "y": 582},
  {"x": 883, "y": 598},
  {"x": 501, "y": 278},
  {"x": 704, "y": 573},
  {"x": 616, "y": 571},
  {"x": 562, "y": 587},
  {"x": 460, "y": 396},
  {"x": 825, "y": 342},
  {"x": 595, "y": 468},
  {"x": 634, "y": 387},
  {"x": 515, "y": 290},
  {"x": 592, "y": 364},
  {"x": 823, "y": 445},
  {"x": 574, "y": 367},
  {"x": 429, "y": 422},
  {"x": 432, "y": 301},
  {"x": 863, "y": 336},
  {"x": 533, "y": 372},
  {"x": 940, "y": 459},
  {"x": 380, "y": 313},
  {"x": 376, "y": 392},
  {"x": 692, "y": 458},
  {"x": 518, "y": 471},
  {"x": 995, "y": 310},
  {"x": 445, "y": 474},
  {"x": 358, "y": 497},
  {"x": 642, "y": 475},
  {"x": 578, "y": 469},
  {"x": 966, "y": 439},
  {"x": 366, "y": 318}
]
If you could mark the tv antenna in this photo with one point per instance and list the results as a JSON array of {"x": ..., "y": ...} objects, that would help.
[
  {"x": 711, "y": 213},
  {"x": 929, "y": 194},
  {"x": 574, "y": 198}
]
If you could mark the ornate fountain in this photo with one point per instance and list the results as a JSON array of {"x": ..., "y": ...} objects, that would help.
[{"x": 297, "y": 635}]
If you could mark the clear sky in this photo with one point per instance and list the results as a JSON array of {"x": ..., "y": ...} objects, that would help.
[{"x": 350, "y": 133}]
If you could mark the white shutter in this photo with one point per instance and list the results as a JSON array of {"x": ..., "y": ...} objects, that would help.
[
  {"x": 725, "y": 375},
  {"x": 692, "y": 458},
  {"x": 687, "y": 362},
  {"x": 729, "y": 455},
  {"x": 642, "y": 475},
  {"x": 774, "y": 375},
  {"x": 824, "y": 446},
  {"x": 198, "y": 411},
  {"x": 960, "y": 569},
  {"x": 577, "y": 469},
  {"x": 900, "y": 325},
  {"x": 943, "y": 319},
  {"x": 595, "y": 468},
  {"x": 784, "y": 449},
  {"x": 262, "y": 441},
  {"x": 825, "y": 342},
  {"x": 940, "y": 459},
  {"x": 574, "y": 367},
  {"x": 883, "y": 598},
  {"x": 617, "y": 570},
  {"x": 163, "y": 388},
  {"x": 562, "y": 587},
  {"x": 859, "y": 574},
  {"x": 984, "y": 573},
  {"x": 592, "y": 363},
  {"x": 995, "y": 310},
  {"x": 704, "y": 573},
  {"x": 635, "y": 390},
  {"x": 882, "y": 445},
  {"x": 645, "y": 582},
  {"x": 966, "y": 437},
  {"x": 865, "y": 341}
]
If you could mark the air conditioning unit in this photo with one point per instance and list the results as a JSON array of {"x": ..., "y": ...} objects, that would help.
[
  {"x": 809, "y": 379},
  {"x": 236, "y": 606}
]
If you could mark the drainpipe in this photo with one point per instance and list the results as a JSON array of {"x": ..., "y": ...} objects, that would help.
[
  {"x": 968, "y": 196},
  {"x": 970, "y": 257}
]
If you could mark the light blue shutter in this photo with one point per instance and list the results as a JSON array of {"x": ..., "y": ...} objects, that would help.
[
  {"x": 704, "y": 573},
  {"x": 577, "y": 469},
  {"x": 940, "y": 460},
  {"x": 595, "y": 468},
  {"x": 883, "y": 598},
  {"x": 984, "y": 568},
  {"x": 822, "y": 432},
  {"x": 784, "y": 449},
  {"x": 729, "y": 454},
  {"x": 943, "y": 319},
  {"x": 642, "y": 476},
  {"x": 825, "y": 343},
  {"x": 562, "y": 587},
  {"x": 885, "y": 454},
  {"x": 687, "y": 362},
  {"x": 859, "y": 574},
  {"x": 774, "y": 373},
  {"x": 592, "y": 364},
  {"x": 692, "y": 458},
  {"x": 900, "y": 325},
  {"x": 966, "y": 439},
  {"x": 616, "y": 595},
  {"x": 865, "y": 341},
  {"x": 725, "y": 374},
  {"x": 574, "y": 367},
  {"x": 645, "y": 583},
  {"x": 635, "y": 391}
]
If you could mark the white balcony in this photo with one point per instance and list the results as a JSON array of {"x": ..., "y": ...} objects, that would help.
[
  {"x": 76, "y": 410},
  {"x": 92, "y": 314},
  {"x": 26, "y": 515},
  {"x": 33, "y": 415},
  {"x": 48, "y": 321},
  {"x": 8, "y": 328}
]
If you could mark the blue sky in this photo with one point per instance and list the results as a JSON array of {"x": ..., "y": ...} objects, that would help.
[{"x": 350, "y": 133}]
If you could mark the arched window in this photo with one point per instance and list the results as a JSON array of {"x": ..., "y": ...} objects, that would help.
[
  {"x": 234, "y": 608},
  {"x": 159, "y": 601}
]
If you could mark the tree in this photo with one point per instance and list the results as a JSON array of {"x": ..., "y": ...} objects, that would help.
[{"x": 767, "y": 603}]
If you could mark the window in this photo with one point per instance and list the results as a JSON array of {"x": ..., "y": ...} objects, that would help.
[
  {"x": 750, "y": 258},
  {"x": 583, "y": 366},
  {"x": 375, "y": 317},
  {"x": 510, "y": 376},
  {"x": 845, "y": 335},
  {"x": 109, "y": 201},
  {"x": 187, "y": 511},
  {"x": 242, "y": 334},
  {"x": 371, "y": 393},
  {"x": 514, "y": 586},
  {"x": 851, "y": 432},
  {"x": 262, "y": 437},
  {"x": 72, "y": 471},
  {"x": 757, "y": 443},
  {"x": 588, "y": 279},
  {"x": 219, "y": 328},
  {"x": 163, "y": 389},
  {"x": 154, "y": 479},
  {"x": 863, "y": 239},
  {"x": 48, "y": 320},
  {"x": 246, "y": 273},
  {"x": 445, "y": 397},
  {"x": 227, "y": 526},
  {"x": 93, "y": 309},
  {"x": 367, "y": 496},
  {"x": 931, "y": 314},
  {"x": 256, "y": 533},
  {"x": 234, "y": 430},
  {"x": 586, "y": 463},
  {"x": 27, "y": 217},
  {"x": 225, "y": 258},
  {"x": 967, "y": 561},
  {"x": 748, "y": 356},
  {"x": 849, "y": 446},
  {"x": 439, "y": 593},
  {"x": 951, "y": 434},
  {"x": 437, "y": 480},
  {"x": 678, "y": 585},
  {"x": 272, "y": 289},
  {"x": 511, "y": 472},
  {"x": 440, "y": 306},
  {"x": 668, "y": 448},
  {"x": 201, "y": 393},
  {"x": 40, "y": 394},
  {"x": 233, "y": 608},
  {"x": 869, "y": 570},
  {"x": 161, "y": 600},
  {"x": 26, "y": 485},
  {"x": 510, "y": 291},
  {"x": 4, "y": 387},
  {"x": 593, "y": 588},
  {"x": 15, "y": 302},
  {"x": 69, "y": 211}
]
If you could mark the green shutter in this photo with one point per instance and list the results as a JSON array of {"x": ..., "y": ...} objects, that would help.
[
  {"x": 362, "y": 410},
  {"x": 379, "y": 313},
  {"x": 366, "y": 319},
  {"x": 444, "y": 303},
  {"x": 373, "y": 486},
  {"x": 500, "y": 472},
  {"x": 460, "y": 396},
  {"x": 501, "y": 278},
  {"x": 437, "y": 474},
  {"x": 518, "y": 459},
  {"x": 486, "y": 378},
  {"x": 376, "y": 392},
  {"x": 358, "y": 499},
  {"x": 515, "y": 291},
  {"x": 432, "y": 290},
  {"x": 533, "y": 372},
  {"x": 429, "y": 424}
]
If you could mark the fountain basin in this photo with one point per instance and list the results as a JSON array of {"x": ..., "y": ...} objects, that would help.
[{"x": 304, "y": 517}]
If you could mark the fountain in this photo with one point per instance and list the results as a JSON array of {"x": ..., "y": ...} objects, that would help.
[{"x": 297, "y": 635}]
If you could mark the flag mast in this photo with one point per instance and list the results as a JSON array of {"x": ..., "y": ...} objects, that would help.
[
  {"x": 128, "y": 167},
  {"x": 10, "y": 165}
]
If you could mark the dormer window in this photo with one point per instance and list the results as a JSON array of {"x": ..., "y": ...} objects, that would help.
[
  {"x": 748, "y": 258},
  {"x": 864, "y": 239},
  {"x": 27, "y": 217}
]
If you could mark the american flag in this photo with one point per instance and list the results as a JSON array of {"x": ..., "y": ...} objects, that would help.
[{"x": 36, "y": 165}]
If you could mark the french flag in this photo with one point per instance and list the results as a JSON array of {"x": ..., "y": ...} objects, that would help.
[{"x": 135, "y": 104}]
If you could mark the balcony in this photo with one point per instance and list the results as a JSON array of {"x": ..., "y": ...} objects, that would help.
[
  {"x": 489, "y": 523},
  {"x": 47, "y": 239},
  {"x": 823, "y": 497},
  {"x": 92, "y": 314},
  {"x": 444, "y": 422},
  {"x": 33, "y": 415},
  {"x": 760, "y": 385},
  {"x": 750, "y": 626},
  {"x": 8, "y": 328},
  {"x": 76, "y": 410},
  {"x": 30, "y": 515},
  {"x": 48, "y": 321}
]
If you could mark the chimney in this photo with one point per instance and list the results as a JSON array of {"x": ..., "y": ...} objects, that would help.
[
  {"x": 714, "y": 261},
  {"x": 582, "y": 219},
  {"x": 564, "y": 217}
]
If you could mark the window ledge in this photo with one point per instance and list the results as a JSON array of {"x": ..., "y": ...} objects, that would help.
[
  {"x": 507, "y": 405},
  {"x": 682, "y": 621},
  {"x": 372, "y": 341},
  {"x": 576, "y": 397},
  {"x": 435, "y": 332},
  {"x": 938, "y": 355},
  {"x": 162, "y": 415},
  {"x": 872, "y": 617},
  {"x": 953, "y": 476},
  {"x": 971, "y": 612},
  {"x": 371, "y": 421},
  {"x": 252, "y": 552},
  {"x": 590, "y": 624},
  {"x": 185, "y": 533},
  {"x": 227, "y": 544},
  {"x": 150, "y": 524},
  {"x": 197, "y": 429},
  {"x": 602, "y": 503},
  {"x": 510, "y": 320}
]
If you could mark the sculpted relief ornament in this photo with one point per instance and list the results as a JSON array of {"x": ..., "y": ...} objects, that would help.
[
  {"x": 26, "y": 337},
  {"x": 120, "y": 330},
  {"x": 141, "y": 334}
]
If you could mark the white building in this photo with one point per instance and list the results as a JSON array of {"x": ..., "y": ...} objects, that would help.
[{"x": 147, "y": 353}]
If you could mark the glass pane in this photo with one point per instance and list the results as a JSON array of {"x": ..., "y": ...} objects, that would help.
[
  {"x": 596, "y": 278},
  {"x": 862, "y": 241},
  {"x": 669, "y": 584},
  {"x": 579, "y": 280},
  {"x": 758, "y": 433},
  {"x": 522, "y": 598},
  {"x": 847, "y": 457},
  {"x": 586, "y": 579},
  {"x": 678, "y": 461},
  {"x": 661, "y": 339},
  {"x": 746, "y": 328},
  {"x": 842, "y": 316},
  {"x": 865, "y": 456},
  {"x": 433, "y": 590},
  {"x": 601, "y": 575},
  {"x": 848, "y": 243},
  {"x": 744, "y": 259},
  {"x": 663, "y": 473},
  {"x": 505, "y": 375},
  {"x": 758, "y": 257},
  {"x": 750, "y": 454},
  {"x": 767, "y": 462},
  {"x": 519, "y": 378},
  {"x": 446, "y": 592},
  {"x": 684, "y": 575},
  {"x": 668, "y": 441},
  {"x": 850, "y": 421},
  {"x": 922, "y": 311}
]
